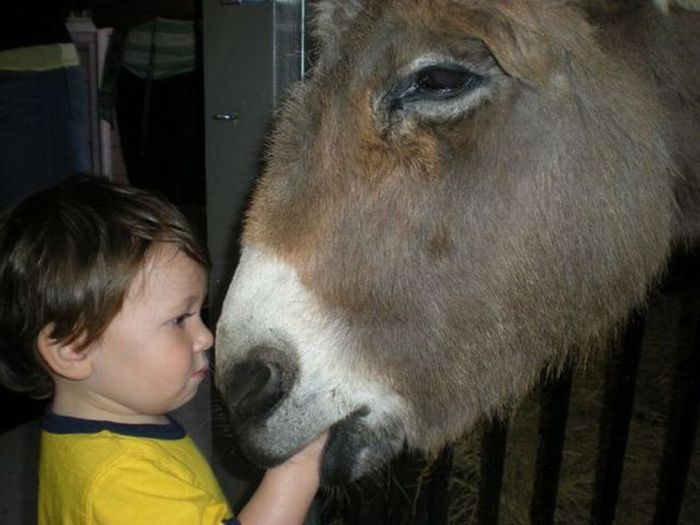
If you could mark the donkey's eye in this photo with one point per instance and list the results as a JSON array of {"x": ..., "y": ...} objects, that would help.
[
  {"x": 435, "y": 83},
  {"x": 443, "y": 80}
]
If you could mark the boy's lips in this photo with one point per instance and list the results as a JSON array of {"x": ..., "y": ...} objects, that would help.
[{"x": 201, "y": 372}]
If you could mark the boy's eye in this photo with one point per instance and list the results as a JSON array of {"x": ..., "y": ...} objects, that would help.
[{"x": 180, "y": 319}]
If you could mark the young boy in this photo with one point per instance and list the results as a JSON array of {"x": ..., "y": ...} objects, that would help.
[{"x": 102, "y": 288}]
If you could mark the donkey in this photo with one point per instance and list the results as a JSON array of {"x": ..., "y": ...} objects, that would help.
[{"x": 461, "y": 194}]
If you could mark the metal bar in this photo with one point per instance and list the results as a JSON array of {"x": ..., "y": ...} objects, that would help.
[
  {"x": 401, "y": 506},
  {"x": 614, "y": 429},
  {"x": 289, "y": 37},
  {"x": 680, "y": 436},
  {"x": 554, "y": 410},
  {"x": 492, "y": 462},
  {"x": 438, "y": 496}
]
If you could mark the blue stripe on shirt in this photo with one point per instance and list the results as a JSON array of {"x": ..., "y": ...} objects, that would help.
[{"x": 57, "y": 424}]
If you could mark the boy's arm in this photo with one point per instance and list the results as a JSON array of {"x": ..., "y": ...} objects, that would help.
[{"x": 286, "y": 491}]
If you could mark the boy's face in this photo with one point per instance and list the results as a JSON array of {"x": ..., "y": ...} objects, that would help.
[{"x": 151, "y": 358}]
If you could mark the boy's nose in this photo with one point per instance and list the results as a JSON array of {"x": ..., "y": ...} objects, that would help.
[{"x": 205, "y": 339}]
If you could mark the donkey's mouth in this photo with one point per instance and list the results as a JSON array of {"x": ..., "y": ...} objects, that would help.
[{"x": 354, "y": 448}]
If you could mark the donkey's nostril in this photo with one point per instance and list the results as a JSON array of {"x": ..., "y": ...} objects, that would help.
[
  {"x": 255, "y": 387},
  {"x": 248, "y": 378}
]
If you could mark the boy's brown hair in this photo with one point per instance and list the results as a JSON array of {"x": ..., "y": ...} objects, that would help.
[{"x": 68, "y": 255}]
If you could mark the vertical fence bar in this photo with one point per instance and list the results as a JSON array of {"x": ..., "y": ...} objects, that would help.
[
  {"x": 620, "y": 380},
  {"x": 682, "y": 427},
  {"x": 492, "y": 462},
  {"x": 424, "y": 499},
  {"x": 407, "y": 498},
  {"x": 680, "y": 437},
  {"x": 554, "y": 410},
  {"x": 438, "y": 505}
]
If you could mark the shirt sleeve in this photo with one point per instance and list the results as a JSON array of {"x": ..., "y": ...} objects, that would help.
[{"x": 146, "y": 492}]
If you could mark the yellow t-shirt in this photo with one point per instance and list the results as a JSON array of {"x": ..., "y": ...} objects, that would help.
[{"x": 99, "y": 472}]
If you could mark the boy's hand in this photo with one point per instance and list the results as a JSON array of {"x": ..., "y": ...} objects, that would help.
[
  {"x": 287, "y": 490},
  {"x": 308, "y": 457}
]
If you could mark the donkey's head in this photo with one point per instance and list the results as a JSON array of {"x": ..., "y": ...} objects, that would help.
[{"x": 461, "y": 192}]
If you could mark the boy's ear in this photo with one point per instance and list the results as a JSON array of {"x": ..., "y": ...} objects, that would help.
[{"x": 68, "y": 360}]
